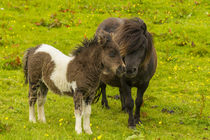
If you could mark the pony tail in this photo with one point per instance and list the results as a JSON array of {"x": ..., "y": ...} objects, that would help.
[{"x": 25, "y": 64}]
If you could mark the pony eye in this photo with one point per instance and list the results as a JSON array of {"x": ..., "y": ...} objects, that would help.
[{"x": 112, "y": 54}]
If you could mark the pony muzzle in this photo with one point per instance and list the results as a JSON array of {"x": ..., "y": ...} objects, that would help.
[{"x": 131, "y": 72}]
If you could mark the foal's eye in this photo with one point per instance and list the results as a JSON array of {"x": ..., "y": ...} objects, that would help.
[{"x": 112, "y": 53}]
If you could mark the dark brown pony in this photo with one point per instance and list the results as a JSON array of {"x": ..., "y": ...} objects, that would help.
[
  {"x": 139, "y": 56},
  {"x": 77, "y": 75}
]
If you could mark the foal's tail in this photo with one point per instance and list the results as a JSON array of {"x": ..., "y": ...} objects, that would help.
[
  {"x": 97, "y": 95},
  {"x": 25, "y": 64}
]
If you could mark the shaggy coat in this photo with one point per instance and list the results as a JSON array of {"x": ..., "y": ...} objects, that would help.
[
  {"x": 45, "y": 68},
  {"x": 139, "y": 56}
]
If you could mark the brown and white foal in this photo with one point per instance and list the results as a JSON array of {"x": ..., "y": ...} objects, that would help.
[{"x": 45, "y": 68}]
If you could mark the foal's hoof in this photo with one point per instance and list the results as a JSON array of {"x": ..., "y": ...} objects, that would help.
[
  {"x": 79, "y": 132},
  {"x": 88, "y": 132},
  {"x": 32, "y": 120},
  {"x": 42, "y": 120}
]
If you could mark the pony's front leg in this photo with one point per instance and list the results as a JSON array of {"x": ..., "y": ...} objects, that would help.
[
  {"x": 86, "y": 117},
  {"x": 129, "y": 104},
  {"x": 104, "y": 100},
  {"x": 139, "y": 100},
  {"x": 78, "y": 110}
]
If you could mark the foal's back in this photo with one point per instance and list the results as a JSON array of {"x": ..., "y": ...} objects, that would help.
[{"x": 49, "y": 65}]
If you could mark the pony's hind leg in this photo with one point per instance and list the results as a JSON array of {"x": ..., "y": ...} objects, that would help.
[
  {"x": 32, "y": 97},
  {"x": 42, "y": 93}
]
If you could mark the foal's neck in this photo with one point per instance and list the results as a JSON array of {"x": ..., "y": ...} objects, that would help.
[
  {"x": 95, "y": 59},
  {"x": 91, "y": 59}
]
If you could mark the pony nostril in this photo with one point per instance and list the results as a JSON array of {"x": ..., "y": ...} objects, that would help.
[{"x": 130, "y": 71}]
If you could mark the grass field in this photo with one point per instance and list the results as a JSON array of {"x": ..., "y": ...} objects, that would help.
[{"x": 177, "y": 102}]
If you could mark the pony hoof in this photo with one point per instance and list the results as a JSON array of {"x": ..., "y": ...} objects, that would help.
[
  {"x": 88, "y": 132},
  {"x": 124, "y": 110},
  {"x": 132, "y": 126},
  {"x": 107, "y": 107},
  {"x": 138, "y": 122}
]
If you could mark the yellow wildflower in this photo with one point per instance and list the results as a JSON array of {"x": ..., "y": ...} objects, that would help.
[
  {"x": 99, "y": 137},
  {"x": 46, "y": 135},
  {"x": 61, "y": 120}
]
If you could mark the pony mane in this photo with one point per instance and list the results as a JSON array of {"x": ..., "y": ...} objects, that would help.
[
  {"x": 148, "y": 49},
  {"x": 86, "y": 43},
  {"x": 129, "y": 37}
]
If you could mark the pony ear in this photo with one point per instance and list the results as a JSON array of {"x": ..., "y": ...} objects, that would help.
[
  {"x": 102, "y": 37},
  {"x": 144, "y": 27},
  {"x": 142, "y": 24}
]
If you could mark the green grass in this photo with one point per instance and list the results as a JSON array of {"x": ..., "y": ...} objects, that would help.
[{"x": 181, "y": 84}]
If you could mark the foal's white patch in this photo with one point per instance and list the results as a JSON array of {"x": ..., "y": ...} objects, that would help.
[
  {"x": 40, "y": 109},
  {"x": 32, "y": 117},
  {"x": 61, "y": 61},
  {"x": 78, "y": 116},
  {"x": 86, "y": 118}
]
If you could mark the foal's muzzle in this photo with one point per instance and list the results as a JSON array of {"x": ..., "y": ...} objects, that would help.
[{"x": 120, "y": 71}]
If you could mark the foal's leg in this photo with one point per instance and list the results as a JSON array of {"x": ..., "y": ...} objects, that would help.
[
  {"x": 42, "y": 93},
  {"x": 78, "y": 110},
  {"x": 86, "y": 117},
  {"x": 139, "y": 100},
  {"x": 32, "y": 97},
  {"x": 104, "y": 100}
]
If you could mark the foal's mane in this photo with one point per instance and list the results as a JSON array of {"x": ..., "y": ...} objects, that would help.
[
  {"x": 86, "y": 43},
  {"x": 129, "y": 37}
]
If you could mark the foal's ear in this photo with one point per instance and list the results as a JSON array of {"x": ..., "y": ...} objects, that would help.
[{"x": 103, "y": 37}]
